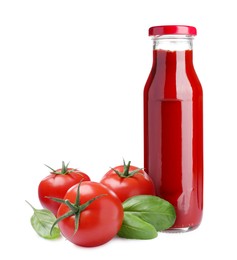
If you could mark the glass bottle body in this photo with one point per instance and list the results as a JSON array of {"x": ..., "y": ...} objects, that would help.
[{"x": 173, "y": 129}]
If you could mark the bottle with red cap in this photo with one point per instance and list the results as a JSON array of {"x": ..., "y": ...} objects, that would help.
[{"x": 173, "y": 124}]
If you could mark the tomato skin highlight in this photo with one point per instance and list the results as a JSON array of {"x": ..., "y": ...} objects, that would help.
[
  {"x": 99, "y": 222},
  {"x": 125, "y": 187},
  {"x": 56, "y": 185}
]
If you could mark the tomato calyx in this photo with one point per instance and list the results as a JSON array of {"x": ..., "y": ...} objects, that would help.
[
  {"x": 126, "y": 173},
  {"x": 75, "y": 208},
  {"x": 64, "y": 170}
]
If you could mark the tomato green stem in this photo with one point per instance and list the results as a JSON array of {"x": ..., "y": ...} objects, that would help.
[
  {"x": 75, "y": 208},
  {"x": 126, "y": 168},
  {"x": 126, "y": 173},
  {"x": 64, "y": 170}
]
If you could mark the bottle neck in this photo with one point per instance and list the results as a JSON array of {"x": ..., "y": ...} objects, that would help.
[
  {"x": 173, "y": 49},
  {"x": 173, "y": 42}
]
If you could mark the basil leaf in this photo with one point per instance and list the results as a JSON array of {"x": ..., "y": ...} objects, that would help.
[
  {"x": 42, "y": 221},
  {"x": 152, "y": 209},
  {"x": 135, "y": 228}
]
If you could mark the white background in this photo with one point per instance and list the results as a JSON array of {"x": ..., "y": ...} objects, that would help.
[{"x": 71, "y": 83}]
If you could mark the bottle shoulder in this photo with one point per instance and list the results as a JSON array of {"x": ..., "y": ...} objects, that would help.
[{"x": 180, "y": 85}]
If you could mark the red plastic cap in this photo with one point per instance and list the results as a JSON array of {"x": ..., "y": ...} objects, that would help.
[{"x": 172, "y": 29}]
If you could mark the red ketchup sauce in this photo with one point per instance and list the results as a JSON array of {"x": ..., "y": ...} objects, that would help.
[{"x": 173, "y": 134}]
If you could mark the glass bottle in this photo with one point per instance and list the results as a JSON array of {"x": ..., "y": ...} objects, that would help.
[{"x": 173, "y": 124}]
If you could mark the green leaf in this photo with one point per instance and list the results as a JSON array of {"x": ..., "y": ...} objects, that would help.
[
  {"x": 135, "y": 228},
  {"x": 42, "y": 221},
  {"x": 151, "y": 209}
]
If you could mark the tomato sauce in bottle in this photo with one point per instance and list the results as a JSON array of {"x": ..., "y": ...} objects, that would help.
[{"x": 173, "y": 124}]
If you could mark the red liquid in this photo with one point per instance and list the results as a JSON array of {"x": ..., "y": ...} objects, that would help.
[{"x": 173, "y": 134}]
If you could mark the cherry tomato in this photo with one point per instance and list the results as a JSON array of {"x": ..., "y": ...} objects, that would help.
[
  {"x": 56, "y": 185},
  {"x": 90, "y": 215},
  {"x": 127, "y": 181}
]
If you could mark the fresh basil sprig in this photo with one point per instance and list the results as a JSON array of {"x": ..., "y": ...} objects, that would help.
[
  {"x": 42, "y": 221},
  {"x": 145, "y": 215}
]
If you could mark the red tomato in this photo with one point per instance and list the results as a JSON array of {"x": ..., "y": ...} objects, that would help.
[
  {"x": 56, "y": 185},
  {"x": 98, "y": 222},
  {"x": 127, "y": 181}
]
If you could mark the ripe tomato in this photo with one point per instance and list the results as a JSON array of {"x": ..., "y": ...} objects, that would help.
[
  {"x": 127, "y": 181},
  {"x": 56, "y": 185},
  {"x": 90, "y": 215}
]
